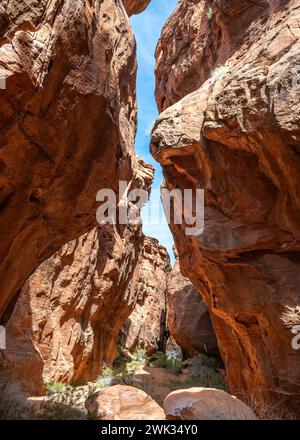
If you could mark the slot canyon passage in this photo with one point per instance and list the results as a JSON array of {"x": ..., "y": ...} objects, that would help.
[{"x": 102, "y": 321}]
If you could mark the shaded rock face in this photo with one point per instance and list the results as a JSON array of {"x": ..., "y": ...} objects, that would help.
[
  {"x": 233, "y": 130},
  {"x": 147, "y": 323},
  {"x": 67, "y": 124},
  {"x": 66, "y": 322},
  {"x": 135, "y": 6},
  {"x": 121, "y": 402},
  {"x": 188, "y": 317},
  {"x": 205, "y": 404}
]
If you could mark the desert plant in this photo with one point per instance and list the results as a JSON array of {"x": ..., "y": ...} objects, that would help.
[
  {"x": 170, "y": 361},
  {"x": 105, "y": 378},
  {"x": 121, "y": 359},
  {"x": 139, "y": 354},
  {"x": 173, "y": 364},
  {"x": 205, "y": 360},
  {"x": 123, "y": 372},
  {"x": 56, "y": 387},
  {"x": 65, "y": 405},
  {"x": 209, "y": 379},
  {"x": 158, "y": 359},
  {"x": 124, "y": 358}
]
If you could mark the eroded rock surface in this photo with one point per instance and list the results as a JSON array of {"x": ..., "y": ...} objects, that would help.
[
  {"x": 65, "y": 325},
  {"x": 146, "y": 325},
  {"x": 121, "y": 402},
  {"x": 188, "y": 316},
  {"x": 67, "y": 124},
  {"x": 205, "y": 404},
  {"x": 230, "y": 90},
  {"x": 135, "y": 6}
]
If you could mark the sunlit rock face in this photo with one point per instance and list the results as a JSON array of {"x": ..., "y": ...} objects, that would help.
[
  {"x": 227, "y": 78},
  {"x": 67, "y": 124},
  {"x": 189, "y": 322},
  {"x": 146, "y": 326},
  {"x": 205, "y": 404},
  {"x": 66, "y": 322},
  {"x": 123, "y": 402}
]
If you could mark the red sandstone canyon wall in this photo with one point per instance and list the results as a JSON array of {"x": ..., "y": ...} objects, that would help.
[
  {"x": 67, "y": 124},
  {"x": 188, "y": 320},
  {"x": 227, "y": 84},
  {"x": 146, "y": 326},
  {"x": 66, "y": 322}
]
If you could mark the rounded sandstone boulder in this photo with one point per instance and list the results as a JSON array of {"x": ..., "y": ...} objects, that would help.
[
  {"x": 205, "y": 404},
  {"x": 120, "y": 402}
]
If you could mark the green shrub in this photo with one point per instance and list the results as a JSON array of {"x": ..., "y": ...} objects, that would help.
[
  {"x": 206, "y": 360},
  {"x": 138, "y": 357},
  {"x": 56, "y": 387},
  {"x": 139, "y": 354},
  {"x": 105, "y": 379},
  {"x": 126, "y": 377},
  {"x": 123, "y": 372},
  {"x": 159, "y": 359},
  {"x": 120, "y": 362},
  {"x": 171, "y": 362},
  {"x": 121, "y": 359},
  {"x": 173, "y": 365},
  {"x": 209, "y": 379}
]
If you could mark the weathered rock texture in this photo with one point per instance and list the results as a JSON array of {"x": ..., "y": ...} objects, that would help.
[
  {"x": 65, "y": 325},
  {"x": 228, "y": 77},
  {"x": 188, "y": 316},
  {"x": 135, "y": 6},
  {"x": 205, "y": 404},
  {"x": 121, "y": 402},
  {"x": 67, "y": 124},
  {"x": 146, "y": 326}
]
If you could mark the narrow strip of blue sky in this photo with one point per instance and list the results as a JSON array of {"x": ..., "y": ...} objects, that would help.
[{"x": 147, "y": 27}]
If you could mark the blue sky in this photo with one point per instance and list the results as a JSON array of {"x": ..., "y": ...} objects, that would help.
[{"x": 147, "y": 27}]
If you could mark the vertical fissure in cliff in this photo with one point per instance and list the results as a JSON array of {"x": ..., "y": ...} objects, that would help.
[{"x": 147, "y": 28}]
